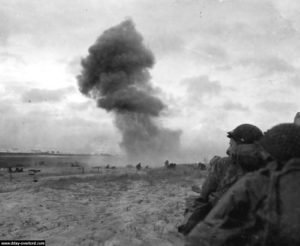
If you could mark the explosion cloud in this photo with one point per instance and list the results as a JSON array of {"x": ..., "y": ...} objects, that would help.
[{"x": 115, "y": 74}]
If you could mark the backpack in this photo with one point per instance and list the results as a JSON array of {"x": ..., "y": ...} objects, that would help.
[{"x": 283, "y": 206}]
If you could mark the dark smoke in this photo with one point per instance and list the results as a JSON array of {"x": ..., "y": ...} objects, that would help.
[{"x": 115, "y": 73}]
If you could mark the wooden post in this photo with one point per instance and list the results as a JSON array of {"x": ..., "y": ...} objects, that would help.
[
  {"x": 98, "y": 168},
  {"x": 10, "y": 174}
]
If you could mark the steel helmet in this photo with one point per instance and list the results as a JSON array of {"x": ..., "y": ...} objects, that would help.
[
  {"x": 282, "y": 141},
  {"x": 245, "y": 134}
]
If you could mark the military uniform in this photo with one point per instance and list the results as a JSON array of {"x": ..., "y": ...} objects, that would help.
[
  {"x": 247, "y": 159},
  {"x": 263, "y": 207},
  {"x": 229, "y": 217},
  {"x": 198, "y": 207},
  {"x": 215, "y": 176},
  {"x": 242, "y": 215},
  {"x": 224, "y": 173},
  {"x": 216, "y": 184}
]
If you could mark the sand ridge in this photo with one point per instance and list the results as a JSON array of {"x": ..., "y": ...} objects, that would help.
[{"x": 64, "y": 211}]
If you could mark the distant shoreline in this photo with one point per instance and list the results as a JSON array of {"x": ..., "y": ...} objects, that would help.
[{"x": 19, "y": 154}]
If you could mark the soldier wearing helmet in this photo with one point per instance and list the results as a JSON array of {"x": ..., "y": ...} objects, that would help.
[
  {"x": 243, "y": 157},
  {"x": 245, "y": 134},
  {"x": 262, "y": 208},
  {"x": 243, "y": 147}
]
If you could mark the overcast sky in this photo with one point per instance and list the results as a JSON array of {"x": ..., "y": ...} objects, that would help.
[{"x": 218, "y": 64}]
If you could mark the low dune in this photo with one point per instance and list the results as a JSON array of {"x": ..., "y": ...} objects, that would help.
[{"x": 109, "y": 208}]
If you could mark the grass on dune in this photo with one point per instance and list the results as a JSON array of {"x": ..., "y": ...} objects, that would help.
[{"x": 151, "y": 176}]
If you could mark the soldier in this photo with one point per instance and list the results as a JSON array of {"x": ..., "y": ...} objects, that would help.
[
  {"x": 138, "y": 166},
  {"x": 213, "y": 161},
  {"x": 166, "y": 164},
  {"x": 243, "y": 157},
  {"x": 262, "y": 208}
]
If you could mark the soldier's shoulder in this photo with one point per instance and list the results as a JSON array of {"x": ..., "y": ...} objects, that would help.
[
  {"x": 222, "y": 161},
  {"x": 213, "y": 161},
  {"x": 254, "y": 181},
  {"x": 222, "y": 164},
  {"x": 293, "y": 163},
  {"x": 225, "y": 159}
]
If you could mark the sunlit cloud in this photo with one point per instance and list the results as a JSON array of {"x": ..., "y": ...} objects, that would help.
[{"x": 217, "y": 64}]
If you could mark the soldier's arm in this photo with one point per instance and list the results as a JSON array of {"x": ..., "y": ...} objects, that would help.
[
  {"x": 225, "y": 219},
  {"x": 210, "y": 185},
  {"x": 214, "y": 177},
  {"x": 232, "y": 217}
]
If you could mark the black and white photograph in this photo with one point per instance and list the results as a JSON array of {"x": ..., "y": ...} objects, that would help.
[{"x": 150, "y": 122}]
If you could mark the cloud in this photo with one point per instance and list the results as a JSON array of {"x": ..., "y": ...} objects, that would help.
[
  {"x": 7, "y": 56},
  {"x": 4, "y": 26},
  {"x": 217, "y": 53},
  {"x": 68, "y": 27},
  {"x": 42, "y": 129},
  {"x": 43, "y": 95},
  {"x": 163, "y": 45},
  {"x": 242, "y": 44},
  {"x": 204, "y": 142},
  {"x": 294, "y": 81},
  {"x": 210, "y": 53},
  {"x": 277, "y": 107},
  {"x": 7, "y": 107},
  {"x": 200, "y": 87},
  {"x": 224, "y": 68},
  {"x": 80, "y": 106},
  {"x": 267, "y": 65},
  {"x": 229, "y": 105},
  {"x": 74, "y": 66}
]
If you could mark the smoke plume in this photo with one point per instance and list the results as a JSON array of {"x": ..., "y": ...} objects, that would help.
[{"x": 115, "y": 74}]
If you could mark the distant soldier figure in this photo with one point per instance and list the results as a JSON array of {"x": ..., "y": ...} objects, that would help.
[
  {"x": 297, "y": 119},
  {"x": 263, "y": 207},
  {"x": 10, "y": 173},
  {"x": 19, "y": 169},
  {"x": 138, "y": 166},
  {"x": 224, "y": 172},
  {"x": 166, "y": 163},
  {"x": 172, "y": 165},
  {"x": 201, "y": 166}
]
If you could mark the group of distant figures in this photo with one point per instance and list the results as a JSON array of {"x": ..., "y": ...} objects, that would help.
[
  {"x": 201, "y": 166},
  {"x": 15, "y": 170},
  {"x": 31, "y": 172},
  {"x": 109, "y": 167},
  {"x": 172, "y": 165},
  {"x": 139, "y": 166},
  {"x": 167, "y": 165}
]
